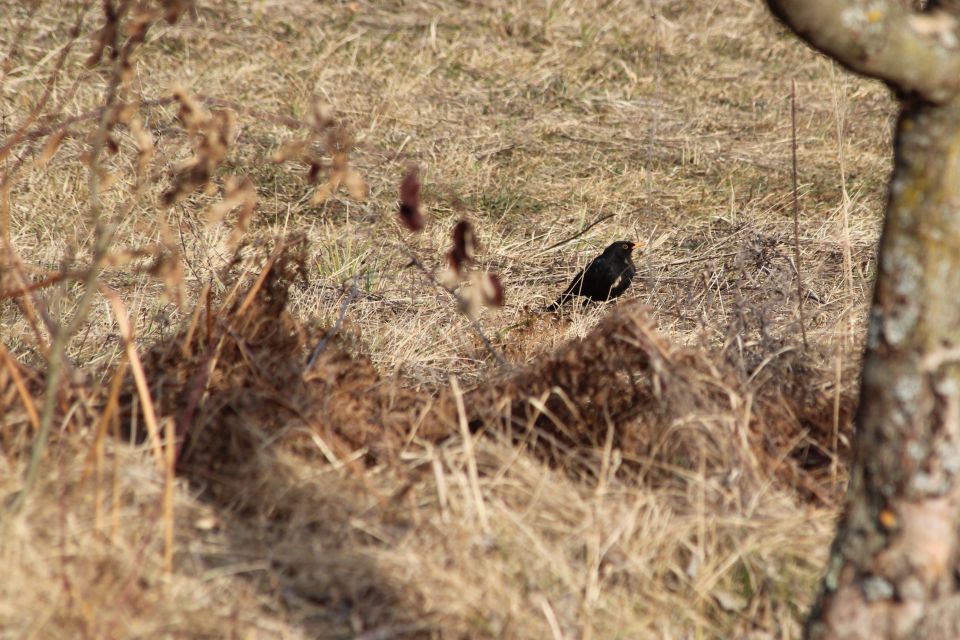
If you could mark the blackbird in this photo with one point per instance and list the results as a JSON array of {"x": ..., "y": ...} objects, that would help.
[{"x": 605, "y": 278}]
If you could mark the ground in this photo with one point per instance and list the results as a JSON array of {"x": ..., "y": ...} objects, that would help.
[{"x": 700, "y": 506}]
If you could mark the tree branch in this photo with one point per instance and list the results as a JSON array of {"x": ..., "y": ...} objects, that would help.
[{"x": 915, "y": 53}]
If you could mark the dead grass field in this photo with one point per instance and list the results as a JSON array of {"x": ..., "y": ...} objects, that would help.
[{"x": 666, "y": 466}]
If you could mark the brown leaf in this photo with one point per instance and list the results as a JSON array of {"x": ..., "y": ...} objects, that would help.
[
  {"x": 173, "y": 9},
  {"x": 313, "y": 174},
  {"x": 493, "y": 292},
  {"x": 464, "y": 246},
  {"x": 410, "y": 214},
  {"x": 49, "y": 149}
]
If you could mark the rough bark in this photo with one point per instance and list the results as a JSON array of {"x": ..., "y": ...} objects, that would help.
[{"x": 893, "y": 568}]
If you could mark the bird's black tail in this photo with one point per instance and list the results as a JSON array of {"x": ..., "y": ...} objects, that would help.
[{"x": 554, "y": 306}]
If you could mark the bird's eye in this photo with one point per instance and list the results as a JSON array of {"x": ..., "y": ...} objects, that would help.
[{"x": 626, "y": 246}]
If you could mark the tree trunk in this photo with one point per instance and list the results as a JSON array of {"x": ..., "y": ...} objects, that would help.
[
  {"x": 896, "y": 549},
  {"x": 893, "y": 568}
]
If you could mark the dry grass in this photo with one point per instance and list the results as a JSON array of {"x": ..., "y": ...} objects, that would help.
[{"x": 668, "y": 466}]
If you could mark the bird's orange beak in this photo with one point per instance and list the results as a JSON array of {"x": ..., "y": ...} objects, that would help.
[{"x": 635, "y": 245}]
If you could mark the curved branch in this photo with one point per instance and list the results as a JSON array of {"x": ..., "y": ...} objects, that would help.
[{"x": 915, "y": 53}]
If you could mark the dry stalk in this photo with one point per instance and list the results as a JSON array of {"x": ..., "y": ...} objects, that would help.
[
  {"x": 332, "y": 331},
  {"x": 471, "y": 457},
  {"x": 139, "y": 376},
  {"x": 103, "y": 234},
  {"x": 580, "y": 233},
  {"x": 655, "y": 121},
  {"x": 13, "y": 263},
  {"x": 796, "y": 211},
  {"x": 24, "y": 394},
  {"x": 65, "y": 332},
  {"x": 839, "y": 110}
]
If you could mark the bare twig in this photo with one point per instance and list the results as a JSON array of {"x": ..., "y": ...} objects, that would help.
[
  {"x": 579, "y": 233},
  {"x": 431, "y": 276},
  {"x": 716, "y": 256},
  {"x": 839, "y": 111},
  {"x": 103, "y": 235},
  {"x": 796, "y": 212},
  {"x": 332, "y": 331},
  {"x": 655, "y": 121}
]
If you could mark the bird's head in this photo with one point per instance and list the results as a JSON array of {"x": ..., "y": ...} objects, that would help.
[{"x": 621, "y": 247}]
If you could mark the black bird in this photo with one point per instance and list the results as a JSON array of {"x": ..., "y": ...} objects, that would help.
[{"x": 605, "y": 278}]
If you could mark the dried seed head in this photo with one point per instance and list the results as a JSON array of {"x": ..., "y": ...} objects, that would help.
[
  {"x": 125, "y": 111},
  {"x": 322, "y": 116},
  {"x": 107, "y": 179},
  {"x": 236, "y": 193},
  {"x": 313, "y": 174},
  {"x": 410, "y": 214},
  {"x": 139, "y": 24},
  {"x": 106, "y": 36},
  {"x": 327, "y": 189},
  {"x": 355, "y": 184}
]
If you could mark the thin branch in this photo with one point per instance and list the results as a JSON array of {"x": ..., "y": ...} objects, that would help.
[
  {"x": 332, "y": 331},
  {"x": 657, "y": 103},
  {"x": 715, "y": 256},
  {"x": 796, "y": 212},
  {"x": 103, "y": 234},
  {"x": 579, "y": 233},
  {"x": 415, "y": 261}
]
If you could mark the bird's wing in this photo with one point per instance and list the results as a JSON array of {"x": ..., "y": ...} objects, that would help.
[{"x": 597, "y": 278}]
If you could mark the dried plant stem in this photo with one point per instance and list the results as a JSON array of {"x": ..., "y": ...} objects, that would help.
[
  {"x": 796, "y": 211},
  {"x": 472, "y": 472},
  {"x": 655, "y": 121},
  {"x": 839, "y": 111},
  {"x": 169, "y": 475},
  {"x": 332, "y": 331},
  {"x": 431, "y": 276},
  {"x": 579, "y": 233},
  {"x": 96, "y": 451},
  {"x": 139, "y": 376},
  {"x": 11, "y": 365},
  {"x": 13, "y": 263},
  {"x": 103, "y": 234}
]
